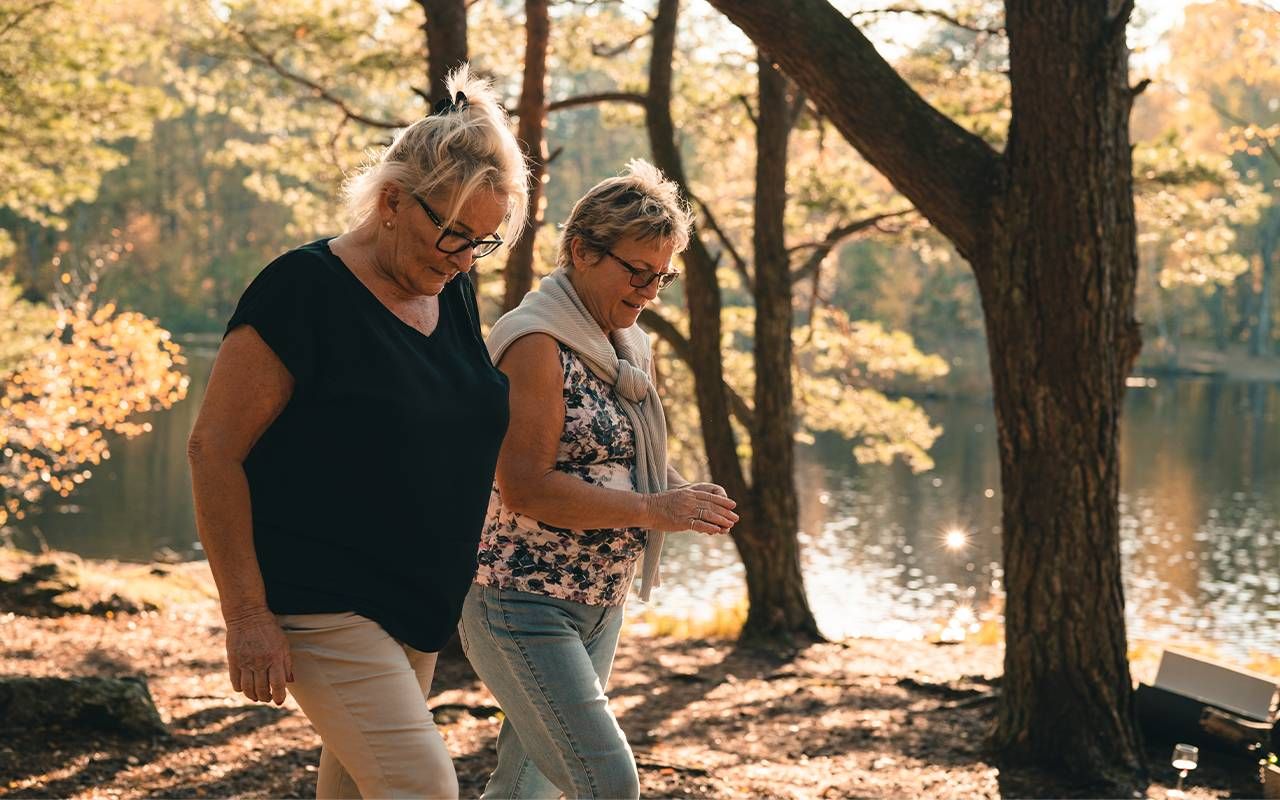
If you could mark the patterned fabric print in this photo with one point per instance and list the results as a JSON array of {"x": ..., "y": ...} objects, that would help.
[{"x": 593, "y": 567}]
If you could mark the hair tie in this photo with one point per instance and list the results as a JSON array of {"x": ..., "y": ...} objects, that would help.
[{"x": 448, "y": 106}]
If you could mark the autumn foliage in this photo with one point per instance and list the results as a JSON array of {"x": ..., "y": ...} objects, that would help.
[{"x": 92, "y": 373}]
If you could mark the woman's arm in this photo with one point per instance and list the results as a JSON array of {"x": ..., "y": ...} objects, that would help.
[
  {"x": 531, "y": 485},
  {"x": 247, "y": 390}
]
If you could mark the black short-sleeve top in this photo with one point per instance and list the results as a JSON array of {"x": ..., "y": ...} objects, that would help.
[{"x": 370, "y": 488}]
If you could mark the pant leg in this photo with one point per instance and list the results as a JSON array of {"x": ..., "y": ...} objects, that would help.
[
  {"x": 365, "y": 693},
  {"x": 547, "y": 661},
  {"x": 516, "y": 775},
  {"x": 333, "y": 782}
]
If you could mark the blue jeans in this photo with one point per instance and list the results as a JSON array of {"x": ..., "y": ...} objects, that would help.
[{"x": 547, "y": 662}]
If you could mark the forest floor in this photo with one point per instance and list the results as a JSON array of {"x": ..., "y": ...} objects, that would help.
[{"x": 858, "y": 718}]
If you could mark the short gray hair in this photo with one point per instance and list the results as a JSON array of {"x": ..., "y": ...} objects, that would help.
[
  {"x": 641, "y": 203},
  {"x": 458, "y": 152}
]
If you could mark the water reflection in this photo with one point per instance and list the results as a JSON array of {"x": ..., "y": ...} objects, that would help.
[
  {"x": 1200, "y": 491},
  {"x": 1200, "y": 494}
]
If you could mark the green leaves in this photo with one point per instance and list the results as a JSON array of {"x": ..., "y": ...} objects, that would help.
[{"x": 67, "y": 95}]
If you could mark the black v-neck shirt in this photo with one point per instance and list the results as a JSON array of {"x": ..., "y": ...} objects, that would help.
[{"x": 370, "y": 489}]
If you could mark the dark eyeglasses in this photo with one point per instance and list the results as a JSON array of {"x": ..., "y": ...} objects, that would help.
[
  {"x": 641, "y": 278},
  {"x": 452, "y": 241}
]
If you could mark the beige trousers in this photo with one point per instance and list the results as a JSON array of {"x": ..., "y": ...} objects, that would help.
[{"x": 366, "y": 695}]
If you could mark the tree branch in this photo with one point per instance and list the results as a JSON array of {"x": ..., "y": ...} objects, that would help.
[
  {"x": 634, "y": 98},
  {"x": 948, "y": 173},
  {"x": 22, "y": 15},
  {"x": 680, "y": 346},
  {"x": 319, "y": 92},
  {"x": 602, "y": 50},
  {"x": 950, "y": 19},
  {"x": 1231, "y": 117},
  {"x": 739, "y": 262},
  {"x": 798, "y": 101},
  {"x": 833, "y": 238}
]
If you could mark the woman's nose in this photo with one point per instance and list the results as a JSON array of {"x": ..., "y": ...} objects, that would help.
[{"x": 463, "y": 260}]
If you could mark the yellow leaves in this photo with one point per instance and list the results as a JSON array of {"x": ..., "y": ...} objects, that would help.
[
  {"x": 1189, "y": 208},
  {"x": 836, "y": 362},
  {"x": 93, "y": 374}
]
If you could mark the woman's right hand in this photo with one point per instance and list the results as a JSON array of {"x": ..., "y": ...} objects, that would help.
[
  {"x": 258, "y": 657},
  {"x": 691, "y": 508}
]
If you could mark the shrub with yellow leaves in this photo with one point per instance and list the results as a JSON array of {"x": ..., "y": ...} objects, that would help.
[{"x": 92, "y": 373}]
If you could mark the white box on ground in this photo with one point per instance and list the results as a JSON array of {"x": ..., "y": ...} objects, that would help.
[{"x": 1245, "y": 693}]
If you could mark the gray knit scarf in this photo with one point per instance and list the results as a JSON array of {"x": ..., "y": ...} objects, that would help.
[{"x": 621, "y": 360}]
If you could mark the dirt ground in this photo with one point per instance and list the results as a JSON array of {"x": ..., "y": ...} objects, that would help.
[{"x": 860, "y": 718}]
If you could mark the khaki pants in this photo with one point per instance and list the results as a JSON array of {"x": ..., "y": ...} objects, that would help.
[{"x": 366, "y": 695}]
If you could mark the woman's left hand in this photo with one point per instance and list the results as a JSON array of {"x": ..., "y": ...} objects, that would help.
[{"x": 711, "y": 488}]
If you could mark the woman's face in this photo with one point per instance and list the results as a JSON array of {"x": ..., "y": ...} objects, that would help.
[
  {"x": 604, "y": 284},
  {"x": 406, "y": 251}
]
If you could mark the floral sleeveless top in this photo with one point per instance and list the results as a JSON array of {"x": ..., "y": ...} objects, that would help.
[{"x": 593, "y": 567}]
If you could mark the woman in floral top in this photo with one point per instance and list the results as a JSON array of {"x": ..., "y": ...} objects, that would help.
[{"x": 582, "y": 494}]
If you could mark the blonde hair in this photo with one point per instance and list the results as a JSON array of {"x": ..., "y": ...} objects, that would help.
[
  {"x": 457, "y": 153},
  {"x": 641, "y": 203}
]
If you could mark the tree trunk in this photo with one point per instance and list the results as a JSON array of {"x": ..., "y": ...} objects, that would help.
[
  {"x": 446, "y": 30},
  {"x": 1223, "y": 332},
  {"x": 1059, "y": 371},
  {"x": 532, "y": 122},
  {"x": 779, "y": 611},
  {"x": 1260, "y": 343},
  {"x": 1048, "y": 228},
  {"x": 702, "y": 293}
]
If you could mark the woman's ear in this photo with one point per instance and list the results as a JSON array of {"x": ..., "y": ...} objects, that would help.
[
  {"x": 581, "y": 255},
  {"x": 389, "y": 200}
]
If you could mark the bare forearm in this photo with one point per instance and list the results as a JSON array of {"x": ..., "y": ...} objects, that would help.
[
  {"x": 224, "y": 521},
  {"x": 564, "y": 501}
]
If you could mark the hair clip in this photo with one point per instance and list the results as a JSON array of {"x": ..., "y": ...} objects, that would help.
[{"x": 447, "y": 106}]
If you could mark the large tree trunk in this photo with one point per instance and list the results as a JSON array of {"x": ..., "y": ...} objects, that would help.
[
  {"x": 533, "y": 119},
  {"x": 446, "y": 30},
  {"x": 1049, "y": 231},
  {"x": 1058, "y": 291},
  {"x": 770, "y": 548}
]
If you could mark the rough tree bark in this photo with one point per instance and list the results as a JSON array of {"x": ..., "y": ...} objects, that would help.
[
  {"x": 1048, "y": 228},
  {"x": 532, "y": 112},
  {"x": 770, "y": 549},
  {"x": 446, "y": 31}
]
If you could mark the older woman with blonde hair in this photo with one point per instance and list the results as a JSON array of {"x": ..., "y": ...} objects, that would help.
[
  {"x": 344, "y": 453},
  {"x": 583, "y": 494}
]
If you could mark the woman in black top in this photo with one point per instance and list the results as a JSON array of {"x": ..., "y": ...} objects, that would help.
[{"x": 342, "y": 458}]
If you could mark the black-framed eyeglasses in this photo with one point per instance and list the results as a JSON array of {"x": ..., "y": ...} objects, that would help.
[
  {"x": 641, "y": 278},
  {"x": 452, "y": 241}
]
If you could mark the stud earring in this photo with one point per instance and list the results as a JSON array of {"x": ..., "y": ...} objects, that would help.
[{"x": 388, "y": 224}]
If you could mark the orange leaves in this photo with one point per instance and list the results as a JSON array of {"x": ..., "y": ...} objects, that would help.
[{"x": 93, "y": 373}]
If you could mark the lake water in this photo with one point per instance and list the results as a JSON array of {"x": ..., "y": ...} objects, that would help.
[{"x": 1200, "y": 493}]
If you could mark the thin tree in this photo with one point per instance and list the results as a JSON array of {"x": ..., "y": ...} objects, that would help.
[
  {"x": 778, "y": 613},
  {"x": 1048, "y": 229},
  {"x": 532, "y": 114}
]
